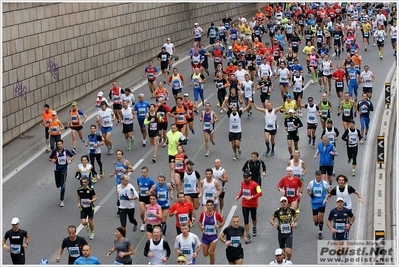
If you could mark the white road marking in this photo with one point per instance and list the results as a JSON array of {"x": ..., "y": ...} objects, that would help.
[{"x": 228, "y": 219}]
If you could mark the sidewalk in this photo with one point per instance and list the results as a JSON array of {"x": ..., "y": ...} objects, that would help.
[{"x": 32, "y": 141}]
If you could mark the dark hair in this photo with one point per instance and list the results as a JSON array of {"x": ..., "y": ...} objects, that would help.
[
  {"x": 85, "y": 156},
  {"x": 209, "y": 170},
  {"x": 122, "y": 230},
  {"x": 62, "y": 141},
  {"x": 210, "y": 201},
  {"x": 255, "y": 153},
  {"x": 343, "y": 176},
  {"x": 119, "y": 151},
  {"x": 95, "y": 127}
]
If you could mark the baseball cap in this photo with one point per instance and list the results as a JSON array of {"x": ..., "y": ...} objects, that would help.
[
  {"x": 15, "y": 220},
  {"x": 283, "y": 198},
  {"x": 46, "y": 106},
  {"x": 288, "y": 96},
  {"x": 54, "y": 112},
  {"x": 318, "y": 172},
  {"x": 246, "y": 175},
  {"x": 291, "y": 110},
  {"x": 185, "y": 94},
  {"x": 74, "y": 103},
  {"x": 195, "y": 24},
  {"x": 100, "y": 94},
  {"x": 230, "y": 47},
  {"x": 239, "y": 64},
  {"x": 167, "y": 39},
  {"x": 190, "y": 162},
  {"x": 278, "y": 251},
  {"x": 310, "y": 98},
  {"x": 339, "y": 199}
]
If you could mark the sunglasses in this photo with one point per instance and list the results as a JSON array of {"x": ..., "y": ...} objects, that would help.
[
  {"x": 84, "y": 182},
  {"x": 181, "y": 262}
]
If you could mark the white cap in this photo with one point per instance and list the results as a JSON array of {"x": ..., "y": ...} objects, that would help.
[
  {"x": 291, "y": 110},
  {"x": 167, "y": 39},
  {"x": 339, "y": 199},
  {"x": 100, "y": 94},
  {"x": 230, "y": 47},
  {"x": 15, "y": 220},
  {"x": 54, "y": 112},
  {"x": 279, "y": 251},
  {"x": 195, "y": 24},
  {"x": 288, "y": 168},
  {"x": 283, "y": 198}
]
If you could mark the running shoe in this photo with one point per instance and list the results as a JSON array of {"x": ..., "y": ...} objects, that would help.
[
  {"x": 102, "y": 173},
  {"x": 91, "y": 236},
  {"x": 314, "y": 146},
  {"x": 239, "y": 152},
  {"x": 250, "y": 113},
  {"x": 62, "y": 203},
  {"x": 254, "y": 231},
  {"x": 196, "y": 112},
  {"x": 135, "y": 227},
  {"x": 349, "y": 161},
  {"x": 87, "y": 228},
  {"x": 321, "y": 89},
  {"x": 297, "y": 211},
  {"x": 154, "y": 159},
  {"x": 83, "y": 140},
  {"x": 329, "y": 91},
  {"x": 353, "y": 173},
  {"x": 320, "y": 236},
  {"x": 221, "y": 111},
  {"x": 94, "y": 180},
  {"x": 142, "y": 228},
  {"x": 248, "y": 239},
  {"x": 218, "y": 105},
  {"x": 235, "y": 157},
  {"x": 311, "y": 82},
  {"x": 128, "y": 148},
  {"x": 272, "y": 153},
  {"x": 191, "y": 224},
  {"x": 48, "y": 149},
  {"x": 267, "y": 152},
  {"x": 144, "y": 143},
  {"x": 111, "y": 151},
  {"x": 192, "y": 131},
  {"x": 213, "y": 142},
  {"x": 188, "y": 141},
  {"x": 73, "y": 150},
  {"x": 365, "y": 137},
  {"x": 118, "y": 203},
  {"x": 309, "y": 141},
  {"x": 207, "y": 154},
  {"x": 132, "y": 141}
]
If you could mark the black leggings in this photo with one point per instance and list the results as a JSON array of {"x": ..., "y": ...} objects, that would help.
[
  {"x": 98, "y": 159},
  {"x": 60, "y": 181},
  {"x": 245, "y": 214},
  {"x": 221, "y": 94},
  {"x": 352, "y": 153},
  {"x": 129, "y": 213}
]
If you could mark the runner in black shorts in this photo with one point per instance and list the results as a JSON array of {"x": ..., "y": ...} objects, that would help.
[
  {"x": 86, "y": 198},
  {"x": 231, "y": 237}
]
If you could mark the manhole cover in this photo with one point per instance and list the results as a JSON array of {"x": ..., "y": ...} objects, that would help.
[{"x": 27, "y": 137}]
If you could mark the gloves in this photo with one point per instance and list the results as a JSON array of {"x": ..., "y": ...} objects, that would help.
[{"x": 312, "y": 195}]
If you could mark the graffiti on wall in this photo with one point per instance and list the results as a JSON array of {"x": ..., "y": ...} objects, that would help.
[
  {"x": 20, "y": 90},
  {"x": 52, "y": 67}
]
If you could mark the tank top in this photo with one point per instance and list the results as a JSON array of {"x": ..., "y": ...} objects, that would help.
[
  {"x": 209, "y": 191},
  {"x": 162, "y": 195},
  {"x": 151, "y": 73},
  {"x": 119, "y": 167},
  {"x": 354, "y": 137},
  {"x": 327, "y": 67},
  {"x": 196, "y": 59},
  {"x": 127, "y": 116},
  {"x": 325, "y": 108},
  {"x": 312, "y": 60},
  {"x": 181, "y": 119},
  {"x": 153, "y": 126},
  {"x": 318, "y": 190},
  {"x": 233, "y": 100},
  {"x": 160, "y": 92},
  {"x": 158, "y": 251},
  {"x": 179, "y": 163},
  {"x": 235, "y": 123},
  {"x": 92, "y": 138},
  {"x": 190, "y": 183},
  {"x": 297, "y": 170},
  {"x": 217, "y": 174},
  {"x": 75, "y": 118},
  {"x": 54, "y": 128},
  {"x": 209, "y": 223},
  {"x": 207, "y": 125},
  {"x": 330, "y": 134},
  {"x": 116, "y": 95},
  {"x": 189, "y": 106},
  {"x": 297, "y": 84},
  {"x": 176, "y": 82},
  {"x": 270, "y": 120},
  {"x": 85, "y": 171},
  {"x": 311, "y": 111},
  {"x": 151, "y": 218},
  {"x": 347, "y": 109},
  {"x": 345, "y": 195}
]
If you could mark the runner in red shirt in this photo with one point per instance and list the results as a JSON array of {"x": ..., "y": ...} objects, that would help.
[
  {"x": 291, "y": 187},
  {"x": 182, "y": 210},
  {"x": 250, "y": 191},
  {"x": 338, "y": 76}
]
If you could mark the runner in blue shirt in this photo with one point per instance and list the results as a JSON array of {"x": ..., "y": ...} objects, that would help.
[{"x": 141, "y": 108}]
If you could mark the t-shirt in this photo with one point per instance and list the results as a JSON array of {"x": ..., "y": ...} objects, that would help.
[
  {"x": 124, "y": 247},
  {"x": 187, "y": 246},
  {"x": 89, "y": 261},
  {"x": 234, "y": 235},
  {"x": 86, "y": 194},
  {"x": 16, "y": 240},
  {"x": 74, "y": 248},
  {"x": 61, "y": 163}
]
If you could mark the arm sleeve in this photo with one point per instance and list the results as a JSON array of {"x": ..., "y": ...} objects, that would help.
[
  {"x": 336, "y": 131},
  {"x": 167, "y": 248},
  {"x": 147, "y": 248},
  {"x": 263, "y": 166}
]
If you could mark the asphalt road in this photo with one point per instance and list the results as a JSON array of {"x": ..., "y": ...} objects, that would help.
[{"x": 31, "y": 194}]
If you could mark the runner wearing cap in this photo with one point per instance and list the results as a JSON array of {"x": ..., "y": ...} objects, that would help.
[
  {"x": 312, "y": 114},
  {"x": 279, "y": 254},
  {"x": 17, "y": 245},
  {"x": 75, "y": 121},
  {"x": 250, "y": 191},
  {"x": 286, "y": 220},
  {"x": 54, "y": 129},
  {"x": 100, "y": 98},
  {"x": 291, "y": 125},
  {"x": 317, "y": 190},
  {"x": 340, "y": 221}
]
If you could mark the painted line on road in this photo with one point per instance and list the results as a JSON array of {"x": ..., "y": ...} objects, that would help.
[{"x": 228, "y": 219}]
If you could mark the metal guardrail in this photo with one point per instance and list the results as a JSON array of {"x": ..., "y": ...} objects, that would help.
[{"x": 383, "y": 174}]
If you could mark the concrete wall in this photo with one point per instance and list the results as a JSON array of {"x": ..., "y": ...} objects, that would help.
[{"x": 58, "y": 52}]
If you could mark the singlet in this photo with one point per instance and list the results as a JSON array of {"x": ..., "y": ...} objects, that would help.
[
  {"x": 85, "y": 171},
  {"x": 345, "y": 195},
  {"x": 219, "y": 174},
  {"x": 176, "y": 82},
  {"x": 330, "y": 134},
  {"x": 235, "y": 122},
  {"x": 118, "y": 169},
  {"x": 311, "y": 112},
  {"x": 207, "y": 125},
  {"x": 158, "y": 251},
  {"x": 354, "y": 137},
  {"x": 209, "y": 191},
  {"x": 196, "y": 81},
  {"x": 151, "y": 73},
  {"x": 127, "y": 116},
  {"x": 153, "y": 126},
  {"x": 325, "y": 109},
  {"x": 116, "y": 95},
  {"x": 162, "y": 195},
  {"x": 179, "y": 163},
  {"x": 297, "y": 170},
  {"x": 190, "y": 183},
  {"x": 93, "y": 139},
  {"x": 247, "y": 88},
  {"x": 75, "y": 117},
  {"x": 312, "y": 60},
  {"x": 326, "y": 67},
  {"x": 181, "y": 111},
  {"x": 209, "y": 223},
  {"x": 54, "y": 128},
  {"x": 347, "y": 109},
  {"x": 270, "y": 120},
  {"x": 297, "y": 84},
  {"x": 151, "y": 218}
]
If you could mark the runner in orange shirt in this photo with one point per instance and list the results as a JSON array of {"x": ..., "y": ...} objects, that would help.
[{"x": 47, "y": 112}]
